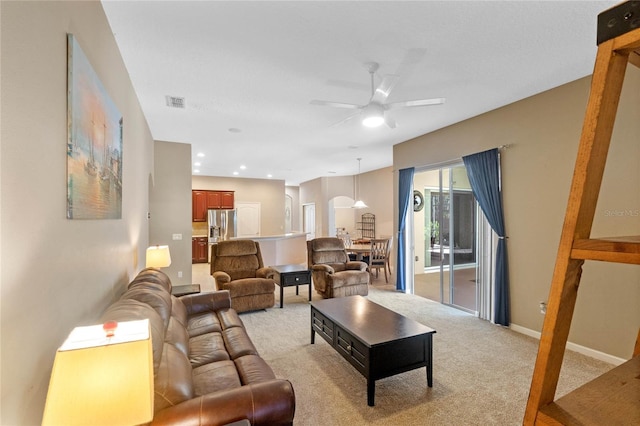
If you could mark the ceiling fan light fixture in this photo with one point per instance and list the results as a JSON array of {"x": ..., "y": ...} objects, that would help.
[{"x": 373, "y": 115}]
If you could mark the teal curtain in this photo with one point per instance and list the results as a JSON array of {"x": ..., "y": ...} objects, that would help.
[
  {"x": 483, "y": 170},
  {"x": 404, "y": 202}
]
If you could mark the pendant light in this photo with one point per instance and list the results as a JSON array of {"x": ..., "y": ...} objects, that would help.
[{"x": 359, "y": 204}]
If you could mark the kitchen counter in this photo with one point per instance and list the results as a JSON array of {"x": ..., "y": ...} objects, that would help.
[{"x": 283, "y": 249}]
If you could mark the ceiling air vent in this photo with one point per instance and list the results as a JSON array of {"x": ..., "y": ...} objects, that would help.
[{"x": 175, "y": 102}]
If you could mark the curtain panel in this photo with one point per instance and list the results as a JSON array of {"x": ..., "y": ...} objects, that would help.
[
  {"x": 404, "y": 201},
  {"x": 483, "y": 170}
]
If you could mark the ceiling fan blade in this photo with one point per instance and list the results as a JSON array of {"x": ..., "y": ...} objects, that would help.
[
  {"x": 416, "y": 103},
  {"x": 390, "y": 122},
  {"x": 381, "y": 93},
  {"x": 344, "y": 120},
  {"x": 335, "y": 104}
]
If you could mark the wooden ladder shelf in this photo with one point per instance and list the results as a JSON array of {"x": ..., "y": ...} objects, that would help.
[{"x": 613, "y": 397}]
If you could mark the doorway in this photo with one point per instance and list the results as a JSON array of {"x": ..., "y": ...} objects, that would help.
[{"x": 446, "y": 237}]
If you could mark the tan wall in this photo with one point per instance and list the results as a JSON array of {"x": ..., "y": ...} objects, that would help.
[
  {"x": 170, "y": 207},
  {"x": 268, "y": 192},
  {"x": 543, "y": 132},
  {"x": 55, "y": 273}
]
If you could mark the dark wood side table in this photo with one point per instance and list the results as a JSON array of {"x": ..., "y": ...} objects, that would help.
[
  {"x": 183, "y": 290},
  {"x": 292, "y": 275}
]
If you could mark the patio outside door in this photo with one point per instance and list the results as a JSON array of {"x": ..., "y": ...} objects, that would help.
[{"x": 448, "y": 273}]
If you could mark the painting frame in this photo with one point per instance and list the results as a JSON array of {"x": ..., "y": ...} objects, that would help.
[{"x": 94, "y": 142}]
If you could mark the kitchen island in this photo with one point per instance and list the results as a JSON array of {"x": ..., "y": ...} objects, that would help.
[{"x": 283, "y": 249}]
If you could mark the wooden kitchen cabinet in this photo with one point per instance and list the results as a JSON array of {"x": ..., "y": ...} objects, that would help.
[
  {"x": 199, "y": 249},
  {"x": 220, "y": 199},
  {"x": 199, "y": 206}
]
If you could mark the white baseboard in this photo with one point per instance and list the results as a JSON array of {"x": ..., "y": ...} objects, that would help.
[{"x": 573, "y": 347}]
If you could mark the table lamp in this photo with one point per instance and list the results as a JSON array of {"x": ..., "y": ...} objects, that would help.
[
  {"x": 102, "y": 375},
  {"x": 158, "y": 257}
]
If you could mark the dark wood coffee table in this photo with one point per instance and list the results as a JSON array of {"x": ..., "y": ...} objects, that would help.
[
  {"x": 292, "y": 275},
  {"x": 377, "y": 341}
]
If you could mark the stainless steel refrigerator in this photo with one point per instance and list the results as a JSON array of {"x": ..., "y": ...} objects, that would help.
[{"x": 222, "y": 225}]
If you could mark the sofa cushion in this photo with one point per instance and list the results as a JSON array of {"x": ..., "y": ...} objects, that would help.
[
  {"x": 229, "y": 318},
  {"x": 215, "y": 376},
  {"x": 155, "y": 276},
  {"x": 203, "y": 323},
  {"x": 207, "y": 348},
  {"x": 250, "y": 287},
  {"x": 134, "y": 310},
  {"x": 173, "y": 382},
  {"x": 179, "y": 311},
  {"x": 153, "y": 295},
  {"x": 253, "y": 369},
  {"x": 177, "y": 335},
  {"x": 238, "y": 343}
]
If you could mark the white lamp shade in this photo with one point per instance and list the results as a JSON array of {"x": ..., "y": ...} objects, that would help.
[
  {"x": 359, "y": 205},
  {"x": 158, "y": 257},
  {"x": 373, "y": 115},
  {"x": 102, "y": 381}
]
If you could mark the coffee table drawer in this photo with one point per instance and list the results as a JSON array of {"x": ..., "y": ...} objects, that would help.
[
  {"x": 352, "y": 350},
  {"x": 296, "y": 278},
  {"x": 322, "y": 326}
]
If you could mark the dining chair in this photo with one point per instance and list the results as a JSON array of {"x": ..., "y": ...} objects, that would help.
[{"x": 379, "y": 257}]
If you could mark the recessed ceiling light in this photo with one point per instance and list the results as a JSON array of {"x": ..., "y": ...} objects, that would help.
[
  {"x": 331, "y": 172},
  {"x": 353, "y": 147},
  {"x": 236, "y": 173},
  {"x": 200, "y": 154},
  {"x": 243, "y": 167},
  {"x": 234, "y": 130},
  {"x": 196, "y": 164},
  {"x": 196, "y": 171},
  {"x": 269, "y": 175}
]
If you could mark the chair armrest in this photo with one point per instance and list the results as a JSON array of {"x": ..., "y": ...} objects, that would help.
[
  {"x": 356, "y": 265},
  {"x": 323, "y": 268},
  {"x": 221, "y": 277},
  {"x": 266, "y": 272},
  {"x": 271, "y": 402},
  {"x": 206, "y": 302}
]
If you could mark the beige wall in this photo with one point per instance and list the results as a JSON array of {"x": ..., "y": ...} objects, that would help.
[
  {"x": 58, "y": 273},
  {"x": 170, "y": 207},
  {"x": 375, "y": 188},
  {"x": 268, "y": 192},
  {"x": 543, "y": 132}
]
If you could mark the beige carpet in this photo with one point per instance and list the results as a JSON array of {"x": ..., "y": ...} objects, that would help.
[{"x": 482, "y": 372}]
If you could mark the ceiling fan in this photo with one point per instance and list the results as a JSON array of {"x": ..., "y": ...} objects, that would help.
[{"x": 374, "y": 112}]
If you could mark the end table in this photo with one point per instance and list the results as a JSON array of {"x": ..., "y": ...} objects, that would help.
[{"x": 292, "y": 275}]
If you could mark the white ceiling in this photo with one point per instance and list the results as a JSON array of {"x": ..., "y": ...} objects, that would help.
[{"x": 255, "y": 66}]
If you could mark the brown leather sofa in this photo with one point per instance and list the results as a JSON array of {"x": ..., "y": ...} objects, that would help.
[
  {"x": 206, "y": 369},
  {"x": 334, "y": 275},
  {"x": 236, "y": 265}
]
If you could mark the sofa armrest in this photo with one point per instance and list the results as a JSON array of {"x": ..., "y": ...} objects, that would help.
[
  {"x": 266, "y": 272},
  {"x": 356, "y": 265},
  {"x": 206, "y": 302},
  {"x": 272, "y": 402},
  {"x": 321, "y": 267}
]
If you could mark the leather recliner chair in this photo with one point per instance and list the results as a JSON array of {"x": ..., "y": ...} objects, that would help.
[
  {"x": 237, "y": 266},
  {"x": 334, "y": 275}
]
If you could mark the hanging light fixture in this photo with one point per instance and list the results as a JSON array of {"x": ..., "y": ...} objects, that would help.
[{"x": 359, "y": 204}]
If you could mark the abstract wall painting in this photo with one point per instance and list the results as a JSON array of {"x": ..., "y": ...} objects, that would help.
[{"x": 94, "y": 145}]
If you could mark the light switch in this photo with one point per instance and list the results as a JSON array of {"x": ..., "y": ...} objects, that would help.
[{"x": 177, "y": 236}]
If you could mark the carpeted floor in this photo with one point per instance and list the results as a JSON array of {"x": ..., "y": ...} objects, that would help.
[{"x": 482, "y": 372}]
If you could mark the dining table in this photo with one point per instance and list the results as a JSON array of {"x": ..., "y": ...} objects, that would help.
[{"x": 359, "y": 250}]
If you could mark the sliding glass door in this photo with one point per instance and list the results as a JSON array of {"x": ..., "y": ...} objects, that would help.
[{"x": 447, "y": 238}]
